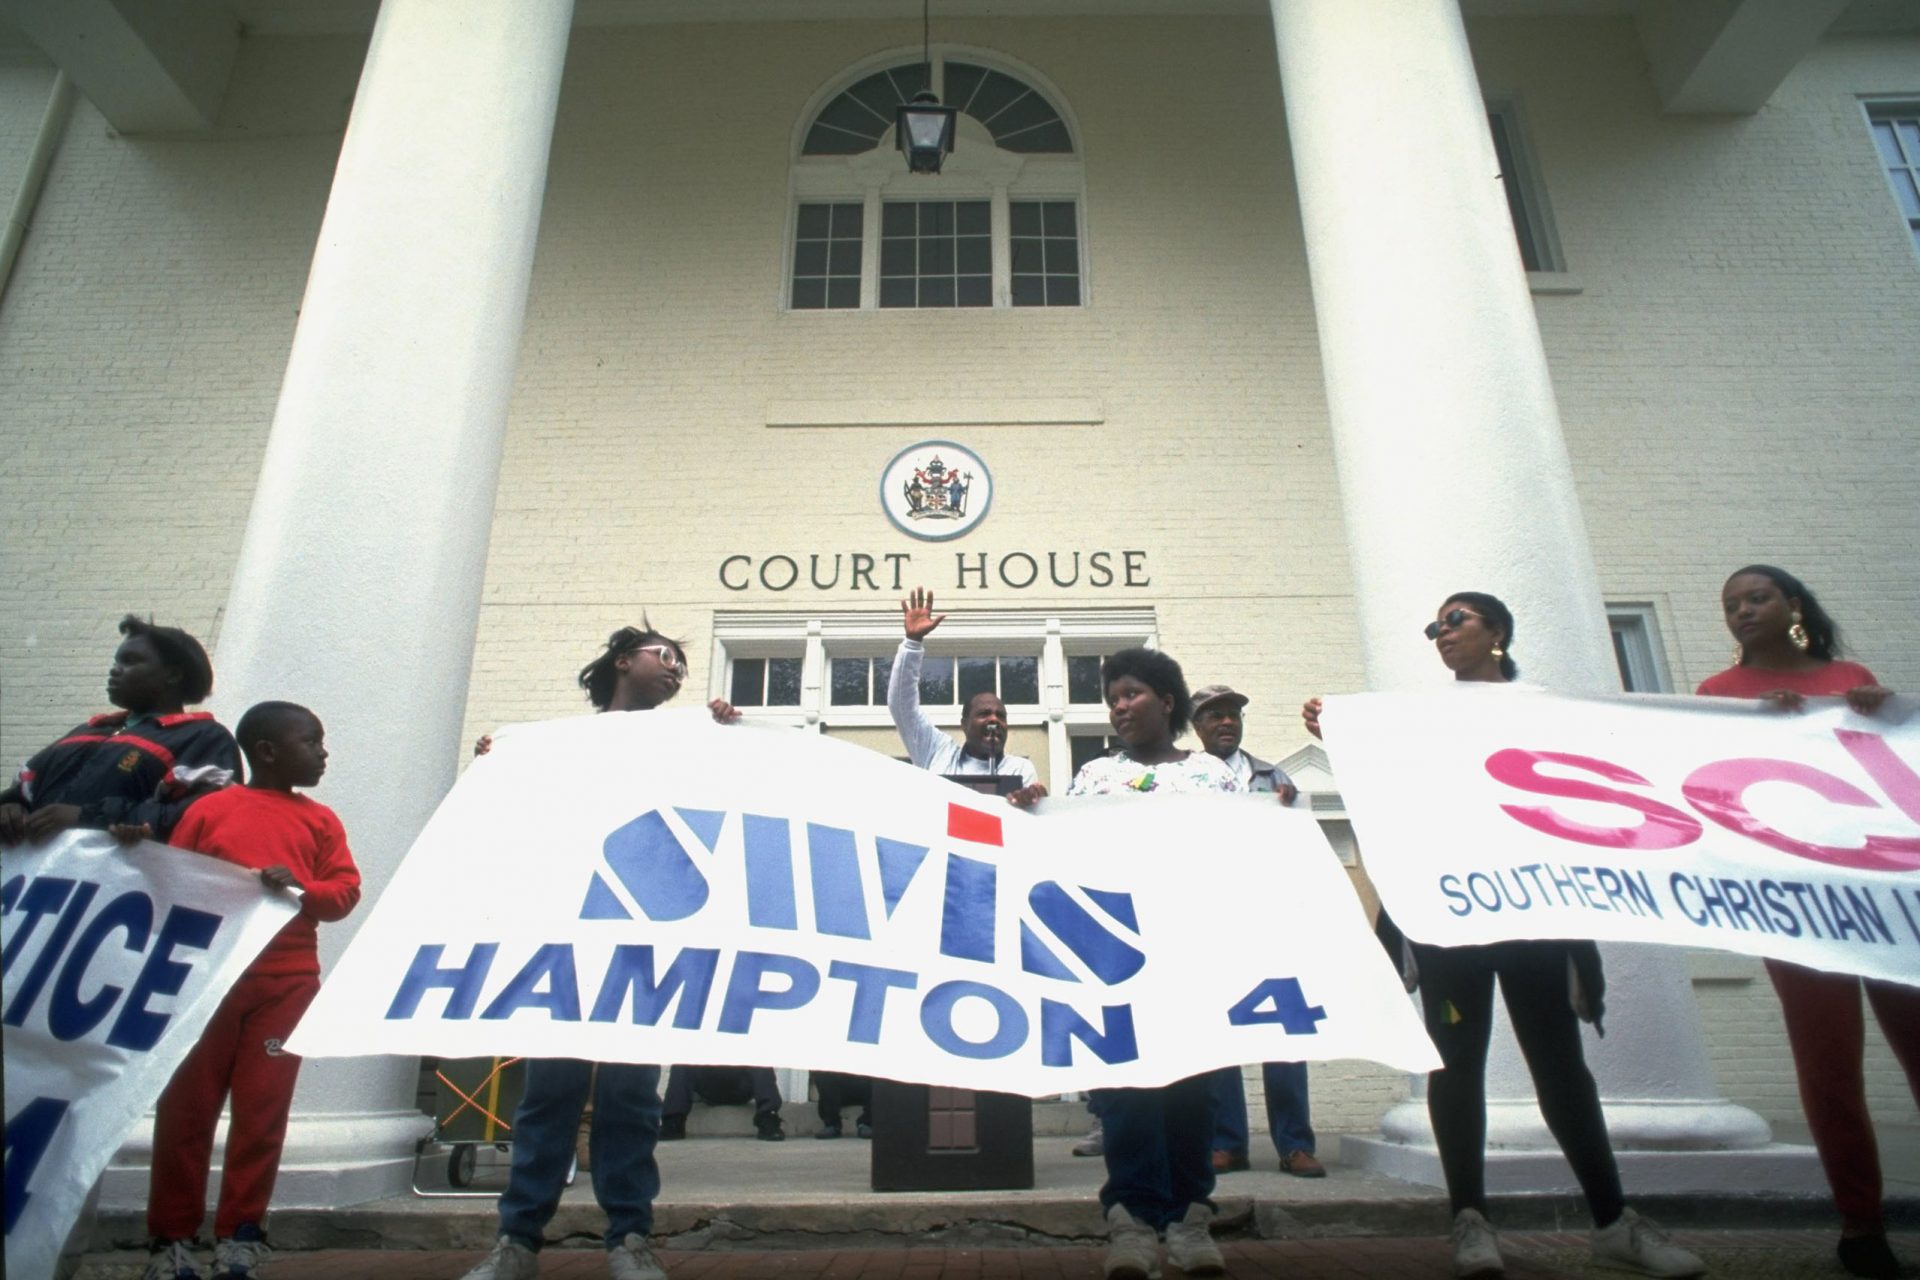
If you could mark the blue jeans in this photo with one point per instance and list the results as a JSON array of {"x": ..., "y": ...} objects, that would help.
[
  {"x": 626, "y": 1125},
  {"x": 1289, "y": 1118},
  {"x": 1157, "y": 1149}
]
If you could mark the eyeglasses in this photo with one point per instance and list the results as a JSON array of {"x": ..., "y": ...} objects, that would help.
[
  {"x": 1451, "y": 621},
  {"x": 668, "y": 658}
]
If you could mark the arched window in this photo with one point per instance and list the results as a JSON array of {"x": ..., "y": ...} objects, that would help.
[{"x": 999, "y": 226}]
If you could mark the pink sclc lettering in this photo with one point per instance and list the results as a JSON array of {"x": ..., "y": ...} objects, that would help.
[
  {"x": 1661, "y": 827},
  {"x": 1889, "y": 772},
  {"x": 1718, "y": 790}
]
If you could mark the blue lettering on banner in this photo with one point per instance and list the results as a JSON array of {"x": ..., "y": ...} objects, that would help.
[
  {"x": 71, "y": 944},
  {"x": 68, "y": 1016},
  {"x": 1286, "y": 1004},
  {"x": 1010, "y": 1020},
  {"x": 663, "y": 879},
  {"x": 870, "y": 986},
  {"x": 30, "y": 1132},
  {"x": 1857, "y": 913},
  {"x": 426, "y": 974},
  {"x": 651, "y": 870},
  {"x": 548, "y": 983},
  {"x": 1544, "y": 886},
  {"x": 746, "y": 995},
  {"x": 1793, "y": 908}
]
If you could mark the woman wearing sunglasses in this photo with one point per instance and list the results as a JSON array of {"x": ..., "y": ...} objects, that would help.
[
  {"x": 1549, "y": 986},
  {"x": 637, "y": 671},
  {"x": 1785, "y": 649}
]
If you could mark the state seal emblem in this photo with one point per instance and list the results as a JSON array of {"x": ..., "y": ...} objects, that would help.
[{"x": 936, "y": 490}]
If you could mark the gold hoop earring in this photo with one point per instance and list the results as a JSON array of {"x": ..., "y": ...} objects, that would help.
[
  {"x": 1798, "y": 633},
  {"x": 1498, "y": 652}
]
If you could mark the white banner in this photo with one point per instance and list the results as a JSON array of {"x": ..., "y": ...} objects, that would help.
[
  {"x": 114, "y": 962},
  {"x": 1490, "y": 812},
  {"x": 658, "y": 888}
]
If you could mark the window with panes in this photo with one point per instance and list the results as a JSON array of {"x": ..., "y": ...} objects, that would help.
[
  {"x": 1896, "y": 135},
  {"x": 829, "y": 673},
  {"x": 888, "y": 241}
]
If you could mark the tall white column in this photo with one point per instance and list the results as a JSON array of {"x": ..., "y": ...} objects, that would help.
[
  {"x": 1454, "y": 476},
  {"x": 358, "y": 585}
]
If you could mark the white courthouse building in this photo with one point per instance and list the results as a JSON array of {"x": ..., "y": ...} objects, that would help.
[{"x": 405, "y": 350}]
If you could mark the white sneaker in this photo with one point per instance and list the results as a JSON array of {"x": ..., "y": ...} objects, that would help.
[
  {"x": 510, "y": 1260},
  {"x": 1190, "y": 1245},
  {"x": 632, "y": 1259},
  {"x": 1094, "y": 1144},
  {"x": 1133, "y": 1251},
  {"x": 235, "y": 1257},
  {"x": 1476, "y": 1250},
  {"x": 172, "y": 1260},
  {"x": 1638, "y": 1245}
]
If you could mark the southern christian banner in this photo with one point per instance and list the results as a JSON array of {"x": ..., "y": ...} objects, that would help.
[
  {"x": 655, "y": 887},
  {"x": 1490, "y": 812},
  {"x": 114, "y": 961}
]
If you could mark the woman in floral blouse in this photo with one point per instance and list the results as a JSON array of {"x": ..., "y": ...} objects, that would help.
[{"x": 1158, "y": 1144}]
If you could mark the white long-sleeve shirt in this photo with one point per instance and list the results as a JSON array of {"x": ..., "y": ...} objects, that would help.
[{"x": 928, "y": 746}]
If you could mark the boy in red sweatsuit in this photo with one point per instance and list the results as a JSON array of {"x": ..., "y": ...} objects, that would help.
[{"x": 297, "y": 845}]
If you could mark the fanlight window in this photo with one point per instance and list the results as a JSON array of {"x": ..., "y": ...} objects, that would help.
[
  {"x": 998, "y": 227},
  {"x": 1018, "y": 116}
]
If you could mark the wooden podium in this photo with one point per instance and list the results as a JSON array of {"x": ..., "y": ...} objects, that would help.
[{"x": 927, "y": 1138}]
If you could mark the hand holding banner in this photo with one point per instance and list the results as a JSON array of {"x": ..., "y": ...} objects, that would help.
[
  {"x": 1489, "y": 812},
  {"x": 114, "y": 962},
  {"x": 689, "y": 892}
]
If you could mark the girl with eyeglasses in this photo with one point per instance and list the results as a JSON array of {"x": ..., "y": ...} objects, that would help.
[
  {"x": 1549, "y": 987},
  {"x": 1785, "y": 651},
  {"x": 637, "y": 671}
]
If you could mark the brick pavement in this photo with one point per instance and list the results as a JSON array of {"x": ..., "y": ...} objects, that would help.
[{"x": 1733, "y": 1255}]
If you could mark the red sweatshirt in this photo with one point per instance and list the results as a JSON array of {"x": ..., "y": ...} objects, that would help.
[{"x": 258, "y": 828}]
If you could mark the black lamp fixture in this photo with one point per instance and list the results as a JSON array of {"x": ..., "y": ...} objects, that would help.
[{"x": 923, "y": 129}]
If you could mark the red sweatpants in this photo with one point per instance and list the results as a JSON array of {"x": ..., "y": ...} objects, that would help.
[
  {"x": 241, "y": 1053},
  {"x": 1828, "y": 1035}
]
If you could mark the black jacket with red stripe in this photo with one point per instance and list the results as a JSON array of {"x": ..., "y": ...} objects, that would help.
[{"x": 148, "y": 773}]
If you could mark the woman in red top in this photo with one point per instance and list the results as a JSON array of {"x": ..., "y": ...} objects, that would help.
[{"x": 1784, "y": 653}]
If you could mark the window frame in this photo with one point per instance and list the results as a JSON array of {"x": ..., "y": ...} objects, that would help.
[
  {"x": 976, "y": 170},
  {"x": 817, "y": 637},
  {"x": 1634, "y": 629},
  {"x": 1875, "y": 111},
  {"x": 1525, "y": 191}
]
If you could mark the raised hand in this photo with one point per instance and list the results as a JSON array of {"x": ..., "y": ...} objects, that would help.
[
  {"x": 916, "y": 613},
  {"x": 1310, "y": 716}
]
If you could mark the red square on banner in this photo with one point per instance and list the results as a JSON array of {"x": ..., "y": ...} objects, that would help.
[{"x": 971, "y": 824}]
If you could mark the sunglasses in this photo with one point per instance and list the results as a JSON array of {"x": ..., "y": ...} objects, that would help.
[
  {"x": 1452, "y": 621},
  {"x": 668, "y": 658}
]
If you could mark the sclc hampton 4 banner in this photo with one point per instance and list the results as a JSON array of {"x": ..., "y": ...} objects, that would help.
[
  {"x": 657, "y": 888},
  {"x": 1489, "y": 812}
]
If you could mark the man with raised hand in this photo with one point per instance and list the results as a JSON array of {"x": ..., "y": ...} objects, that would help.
[
  {"x": 1218, "y": 725},
  {"x": 983, "y": 722}
]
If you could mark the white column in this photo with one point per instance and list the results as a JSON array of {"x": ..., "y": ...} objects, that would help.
[
  {"x": 1454, "y": 476},
  {"x": 358, "y": 584}
]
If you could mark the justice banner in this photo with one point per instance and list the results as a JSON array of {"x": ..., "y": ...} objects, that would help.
[
  {"x": 1490, "y": 812},
  {"x": 115, "y": 959},
  {"x": 659, "y": 888}
]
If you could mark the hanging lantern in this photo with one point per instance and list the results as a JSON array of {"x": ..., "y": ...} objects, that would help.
[{"x": 923, "y": 129}]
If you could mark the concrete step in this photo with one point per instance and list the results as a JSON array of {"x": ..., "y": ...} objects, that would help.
[{"x": 725, "y": 1194}]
